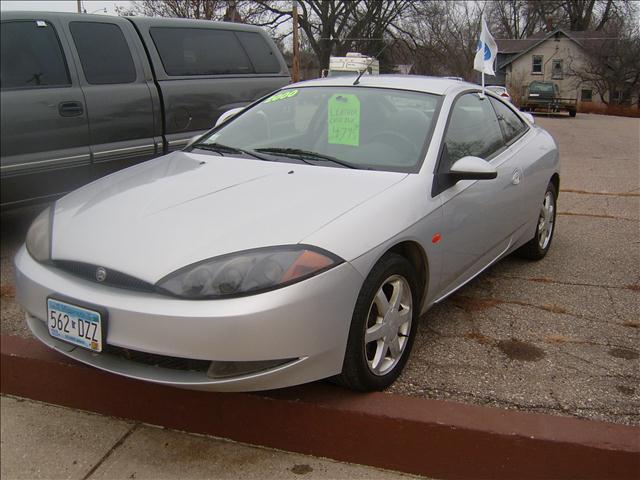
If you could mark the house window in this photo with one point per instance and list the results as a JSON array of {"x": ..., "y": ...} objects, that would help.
[
  {"x": 536, "y": 64},
  {"x": 556, "y": 70},
  {"x": 586, "y": 95},
  {"x": 621, "y": 97}
]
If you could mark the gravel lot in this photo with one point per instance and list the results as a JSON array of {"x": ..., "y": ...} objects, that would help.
[{"x": 559, "y": 336}]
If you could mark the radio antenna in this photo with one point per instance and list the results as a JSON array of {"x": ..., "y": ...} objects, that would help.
[{"x": 373, "y": 59}]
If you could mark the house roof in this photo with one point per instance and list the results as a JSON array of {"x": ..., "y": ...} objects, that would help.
[{"x": 519, "y": 47}]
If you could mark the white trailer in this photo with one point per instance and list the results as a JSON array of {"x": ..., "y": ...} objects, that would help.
[{"x": 353, "y": 63}]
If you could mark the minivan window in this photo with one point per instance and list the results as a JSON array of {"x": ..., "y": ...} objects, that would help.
[
  {"x": 104, "y": 53},
  {"x": 512, "y": 125},
  {"x": 473, "y": 130},
  {"x": 31, "y": 56},
  {"x": 200, "y": 51},
  {"x": 262, "y": 57}
]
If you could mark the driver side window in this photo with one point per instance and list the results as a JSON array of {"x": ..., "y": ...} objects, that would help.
[{"x": 473, "y": 131}]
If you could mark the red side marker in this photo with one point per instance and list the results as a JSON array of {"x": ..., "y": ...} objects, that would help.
[{"x": 436, "y": 238}]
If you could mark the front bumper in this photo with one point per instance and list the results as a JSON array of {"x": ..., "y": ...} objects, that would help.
[{"x": 308, "y": 321}]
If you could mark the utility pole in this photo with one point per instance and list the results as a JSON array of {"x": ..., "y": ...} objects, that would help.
[
  {"x": 295, "y": 64},
  {"x": 79, "y": 2}
]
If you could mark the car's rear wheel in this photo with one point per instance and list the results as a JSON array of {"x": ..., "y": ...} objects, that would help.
[
  {"x": 539, "y": 245},
  {"x": 382, "y": 327}
]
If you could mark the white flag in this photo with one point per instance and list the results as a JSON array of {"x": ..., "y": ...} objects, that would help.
[{"x": 486, "y": 51}]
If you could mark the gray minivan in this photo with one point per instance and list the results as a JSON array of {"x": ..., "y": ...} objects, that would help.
[{"x": 85, "y": 95}]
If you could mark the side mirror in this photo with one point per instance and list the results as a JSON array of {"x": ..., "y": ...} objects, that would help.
[
  {"x": 472, "y": 168},
  {"x": 529, "y": 117},
  {"x": 227, "y": 115}
]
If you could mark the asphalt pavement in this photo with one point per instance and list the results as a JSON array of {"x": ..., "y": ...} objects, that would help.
[{"x": 558, "y": 336}]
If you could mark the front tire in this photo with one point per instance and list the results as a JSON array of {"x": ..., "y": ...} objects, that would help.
[
  {"x": 383, "y": 326},
  {"x": 538, "y": 246}
]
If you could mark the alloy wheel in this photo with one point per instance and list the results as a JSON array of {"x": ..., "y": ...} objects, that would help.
[
  {"x": 388, "y": 325},
  {"x": 546, "y": 220}
]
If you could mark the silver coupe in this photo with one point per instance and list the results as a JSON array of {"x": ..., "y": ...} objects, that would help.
[{"x": 299, "y": 239}]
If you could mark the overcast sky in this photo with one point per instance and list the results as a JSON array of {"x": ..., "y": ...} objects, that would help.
[{"x": 91, "y": 6}]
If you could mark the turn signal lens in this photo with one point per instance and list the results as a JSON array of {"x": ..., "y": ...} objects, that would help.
[{"x": 307, "y": 263}]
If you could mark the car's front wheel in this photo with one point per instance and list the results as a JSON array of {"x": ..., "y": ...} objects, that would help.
[
  {"x": 382, "y": 327},
  {"x": 539, "y": 245}
]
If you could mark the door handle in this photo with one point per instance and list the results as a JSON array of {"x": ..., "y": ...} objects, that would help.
[{"x": 70, "y": 109}]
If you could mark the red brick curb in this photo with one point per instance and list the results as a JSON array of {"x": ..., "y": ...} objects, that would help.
[{"x": 422, "y": 436}]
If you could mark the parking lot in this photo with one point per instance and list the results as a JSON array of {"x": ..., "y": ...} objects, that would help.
[{"x": 558, "y": 336}]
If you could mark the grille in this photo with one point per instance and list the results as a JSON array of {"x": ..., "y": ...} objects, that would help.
[
  {"x": 113, "y": 278},
  {"x": 173, "y": 363}
]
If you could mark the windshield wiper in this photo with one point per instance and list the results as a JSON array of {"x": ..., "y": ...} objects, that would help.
[
  {"x": 302, "y": 154},
  {"x": 222, "y": 149}
]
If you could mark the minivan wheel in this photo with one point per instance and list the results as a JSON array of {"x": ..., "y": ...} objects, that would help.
[
  {"x": 383, "y": 326},
  {"x": 538, "y": 246}
]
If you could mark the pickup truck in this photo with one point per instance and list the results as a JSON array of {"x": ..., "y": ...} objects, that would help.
[
  {"x": 545, "y": 97},
  {"x": 85, "y": 95}
]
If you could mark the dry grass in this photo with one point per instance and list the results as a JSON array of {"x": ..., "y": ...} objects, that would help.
[{"x": 601, "y": 109}]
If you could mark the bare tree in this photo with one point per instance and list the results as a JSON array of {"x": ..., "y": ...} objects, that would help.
[
  {"x": 443, "y": 37},
  {"x": 198, "y": 9},
  {"x": 580, "y": 15},
  {"x": 515, "y": 18},
  {"x": 611, "y": 63},
  {"x": 522, "y": 18},
  {"x": 334, "y": 26}
]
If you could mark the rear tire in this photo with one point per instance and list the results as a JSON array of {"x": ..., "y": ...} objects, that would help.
[
  {"x": 383, "y": 326},
  {"x": 538, "y": 246},
  {"x": 572, "y": 113}
]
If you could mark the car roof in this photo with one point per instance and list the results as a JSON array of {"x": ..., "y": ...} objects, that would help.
[
  {"x": 418, "y": 83},
  {"x": 138, "y": 20}
]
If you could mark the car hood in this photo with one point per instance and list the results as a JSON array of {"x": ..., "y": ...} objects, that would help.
[{"x": 151, "y": 219}]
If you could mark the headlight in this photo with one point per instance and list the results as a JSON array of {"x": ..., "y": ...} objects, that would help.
[
  {"x": 39, "y": 236},
  {"x": 248, "y": 272}
]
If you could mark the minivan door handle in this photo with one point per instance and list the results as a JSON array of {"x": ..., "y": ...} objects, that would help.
[{"x": 70, "y": 109}]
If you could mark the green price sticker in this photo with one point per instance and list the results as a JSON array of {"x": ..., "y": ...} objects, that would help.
[
  {"x": 281, "y": 96},
  {"x": 344, "y": 120}
]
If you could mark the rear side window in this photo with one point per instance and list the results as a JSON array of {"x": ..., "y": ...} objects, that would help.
[
  {"x": 511, "y": 124},
  {"x": 473, "y": 130},
  {"x": 31, "y": 56},
  {"x": 200, "y": 51},
  {"x": 261, "y": 55},
  {"x": 104, "y": 53}
]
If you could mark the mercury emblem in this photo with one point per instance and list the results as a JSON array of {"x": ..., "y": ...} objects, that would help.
[{"x": 101, "y": 274}]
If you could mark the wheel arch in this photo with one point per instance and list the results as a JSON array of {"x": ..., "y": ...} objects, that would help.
[
  {"x": 555, "y": 179},
  {"x": 415, "y": 254}
]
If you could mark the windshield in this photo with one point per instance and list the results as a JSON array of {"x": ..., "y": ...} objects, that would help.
[
  {"x": 537, "y": 87},
  {"x": 355, "y": 127}
]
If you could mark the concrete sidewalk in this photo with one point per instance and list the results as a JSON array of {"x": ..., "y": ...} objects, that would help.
[{"x": 42, "y": 441}]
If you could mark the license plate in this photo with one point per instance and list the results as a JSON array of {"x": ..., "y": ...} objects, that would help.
[
  {"x": 534, "y": 94},
  {"x": 77, "y": 325}
]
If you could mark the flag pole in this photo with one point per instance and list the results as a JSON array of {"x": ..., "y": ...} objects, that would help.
[{"x": 483, "y": 84}]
